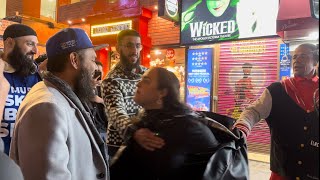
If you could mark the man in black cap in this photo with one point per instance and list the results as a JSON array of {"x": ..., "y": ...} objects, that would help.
[
  {"x": 54, "y": 136},
  {"x": 20, "y": 45}
]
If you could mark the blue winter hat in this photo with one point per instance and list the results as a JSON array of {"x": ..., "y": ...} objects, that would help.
[{"x": 69, "y": 40}]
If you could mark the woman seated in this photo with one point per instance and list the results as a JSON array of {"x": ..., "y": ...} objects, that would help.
[{"x": 166, "y": 136}]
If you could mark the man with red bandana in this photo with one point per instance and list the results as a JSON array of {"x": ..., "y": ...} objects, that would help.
[{"x": 290, "y": 112}]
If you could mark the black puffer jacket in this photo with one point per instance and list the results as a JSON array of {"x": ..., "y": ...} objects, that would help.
[{"x": 189, "y": 145}]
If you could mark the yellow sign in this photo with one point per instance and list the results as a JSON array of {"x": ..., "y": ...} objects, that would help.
[{"x": 110, "y": 28}]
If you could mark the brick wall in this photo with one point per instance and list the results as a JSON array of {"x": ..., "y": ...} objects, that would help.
[
  {"x": 24, "y": 7},
  {"x": 148, "y": 3},
  {"x": 13, "y": 6},
  {"x": 74, "y": 11},
  {"x": 162, "y": 31}
]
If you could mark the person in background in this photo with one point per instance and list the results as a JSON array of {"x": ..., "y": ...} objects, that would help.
[
  {"x": 42, "y": 61},
  {"x": 173, "y": 123},
  {"x": 4, "y": 84},
  {"x": 97, "y": 106},
  {"x": 8, "y": 169},
  {"x": 54, "y": 136},
  {"x": 119, "y": 86},
  {"x": 20, "y": 46},
  {"x": 99, "y": 75},
  {"x": 289, "y": 110}
]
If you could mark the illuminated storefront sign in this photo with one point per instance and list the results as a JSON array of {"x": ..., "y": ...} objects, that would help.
[
  {"x": 199, "y": 79},
  {"x": 285, "y": 62},
  {"x": 169, "y": 9},
  {"x": 213, "y": 21},
  {"x": 110, "y": 28}
]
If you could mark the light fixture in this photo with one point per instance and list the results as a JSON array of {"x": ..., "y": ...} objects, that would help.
[
  {"x": 69, "y": 22},
  {"x": 83, "y": 19},
  {"x": 157, "y": 52},
  {"x": 156, "y": 7},
  {"x": 148, "y": 56},
  {"x": 313, "y": 36}
]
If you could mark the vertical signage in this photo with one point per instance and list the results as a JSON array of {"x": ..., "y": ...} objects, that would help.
[
  {"x": 199, "y": 79},
  {"x": 285, "y": 62}
]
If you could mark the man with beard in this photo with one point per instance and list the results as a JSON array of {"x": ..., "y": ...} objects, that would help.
[
  {"x": 20, "y": 45},
  {"x": 119, "y": 87},
  {"x": 55, "y": 137}
]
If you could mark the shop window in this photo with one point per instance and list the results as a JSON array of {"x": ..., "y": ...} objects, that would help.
[
  {"x": 174, "y": 61},
  {"x": 48, "y": 9},
  {"x": 3, "y": 8}
]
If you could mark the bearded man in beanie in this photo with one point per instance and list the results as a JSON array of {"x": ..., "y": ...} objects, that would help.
[
  {"x": 20, "y": 45},
  {"x": 55, "y": 137}
]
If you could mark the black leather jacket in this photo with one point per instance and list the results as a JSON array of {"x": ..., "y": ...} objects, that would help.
[
  {"x": 197, "y": 148},
  {"x": 185, "y": 137}
]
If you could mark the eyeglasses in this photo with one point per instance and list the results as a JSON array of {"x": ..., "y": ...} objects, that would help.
[
  {"x": 301, "y": 56},
  {"x": 133, "y": 46}
]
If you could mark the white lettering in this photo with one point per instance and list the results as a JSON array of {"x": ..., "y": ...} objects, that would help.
[
  {"x": 10, "y": 101},
  {"x": 223, "y": 27},
  {"x": 14, "y": 100},
  {"x": 10, "y": 114},
  {"x": 208, "y": 30},
  {"x": 196, "y": 29},
  {"x": 315, "y": 144},
  {"x": 232, "y": 26},
  {"x": 3, "y": 131}
]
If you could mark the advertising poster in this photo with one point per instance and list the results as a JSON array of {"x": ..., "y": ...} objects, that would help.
[
  {"x": 199, "y": 79},
  {"x": 204, "y": 21},
  {"x": 246, "y": 68},
  {"x": 285, "y": 62}
]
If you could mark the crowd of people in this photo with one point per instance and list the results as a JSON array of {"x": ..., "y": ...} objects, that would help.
[{"x": 62, "y": 119}]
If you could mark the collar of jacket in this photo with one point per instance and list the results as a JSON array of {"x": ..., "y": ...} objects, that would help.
[
  {"x": 67, "y": 91},
  {"x": 139, "y": 70},
  {"x": 8, "y": 68}
]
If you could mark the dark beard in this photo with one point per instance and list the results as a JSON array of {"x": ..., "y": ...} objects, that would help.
[
  {"x": 83, "y": 87},
  {"x": 127, "y": 64},
  {"x": 21, "y": 63}
]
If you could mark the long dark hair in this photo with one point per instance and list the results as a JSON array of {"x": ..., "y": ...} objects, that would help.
[{"x": 171, "y": 102}]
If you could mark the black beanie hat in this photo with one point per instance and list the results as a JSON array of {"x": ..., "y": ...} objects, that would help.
[{"x": 18, "y": 30}]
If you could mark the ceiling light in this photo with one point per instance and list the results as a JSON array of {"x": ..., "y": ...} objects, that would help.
[
  {"x": 156, "y": 7},
  {"x": 313, "y": 36},
  {"x": 69, "y": 22},
  {"x": 83, "y": 19}
]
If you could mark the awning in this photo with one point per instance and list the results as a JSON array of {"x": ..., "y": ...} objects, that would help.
[{"x": 295, "y": 15}]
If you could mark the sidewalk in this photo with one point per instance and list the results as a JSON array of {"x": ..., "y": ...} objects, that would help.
[{"x": 259, "y": 170}]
